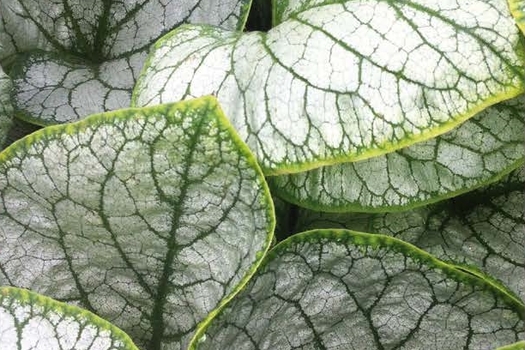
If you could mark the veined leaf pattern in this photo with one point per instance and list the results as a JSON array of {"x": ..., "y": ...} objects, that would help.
[
  {"x": 32, "y": 321},
  {"x": 150, "y": 218},
  {"x": 93, "y": 49},
  {"x": 338, "y": 289},
  {"x": 484, "y": 229},
  {"x": 345, "y": 80},
  {"x": 478, "y": 152}
]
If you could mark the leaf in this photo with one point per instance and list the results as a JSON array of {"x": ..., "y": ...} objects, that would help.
[
  {"x": 94, "y": 49},
  {"x": 151, "y": 218},
  {"x": 516, "y": 346},
  {"x": 32, "y": 321},
  {"x": 338, "y": 289},
  {"x": 284, "y": 10},
  {"x": 480, "y": 151},
  {"x": 344, "y": 81},
  {"x": 6, "y": 108},
  {"x": 517, "y": 8},
  {"x": 484, "y": 229},
  {"x": 52, "y": 88}
]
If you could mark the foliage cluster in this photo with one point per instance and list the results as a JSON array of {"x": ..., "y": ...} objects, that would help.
[{"x": 321, "y": 174}]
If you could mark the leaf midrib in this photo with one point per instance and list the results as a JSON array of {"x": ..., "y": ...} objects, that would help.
[{"x": 157, "y": 314}]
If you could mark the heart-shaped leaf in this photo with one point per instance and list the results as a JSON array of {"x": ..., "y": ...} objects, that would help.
[
  {"x": 94, "y": 49},
  {"x": 150, "y": 218},
  {"x": 344, "y": 80},
  {"x": 338, "y": 289},
  {"x": 478, "y": 152},
  {"x": 484, "y": 229},
  {"x": 32, "y": 321}
]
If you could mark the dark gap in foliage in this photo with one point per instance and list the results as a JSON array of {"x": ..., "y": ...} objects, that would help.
[
  {"x": 287, "y": 222},
  {"x": 260, "y": 16},
  {"x": 18, "y": 130},
  {"x": 464, "y": 204}
]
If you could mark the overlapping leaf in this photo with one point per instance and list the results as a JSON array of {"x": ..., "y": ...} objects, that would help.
[
  {"x": 53, "y": 88},
  {"x": 6, "y": 108},
  {"x": 344, "y": 80},
  {"x": 329, "y": 289},
  {"x": 95, "y": 49},
  {"x": 149, "y": 218},
  {"x": 32, "y": 321},
  {"x": 478, "y": 152},
  {"x": 484, "y": 229}
]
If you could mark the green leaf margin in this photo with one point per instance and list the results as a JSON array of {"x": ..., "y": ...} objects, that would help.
[
  {"x": 517, "y": 9},
  {"x": 337, "y": 155},
  {"x": 354, "y": 207},
  {"x": 376, "y": 241},
  {"x": 516, "y": 346},
  {"x": 27, "y": 297},
  {"x": 223, "y": 120}
]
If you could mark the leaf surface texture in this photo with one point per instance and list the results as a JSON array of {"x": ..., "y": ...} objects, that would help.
[{"x": 149, "y": 218}]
